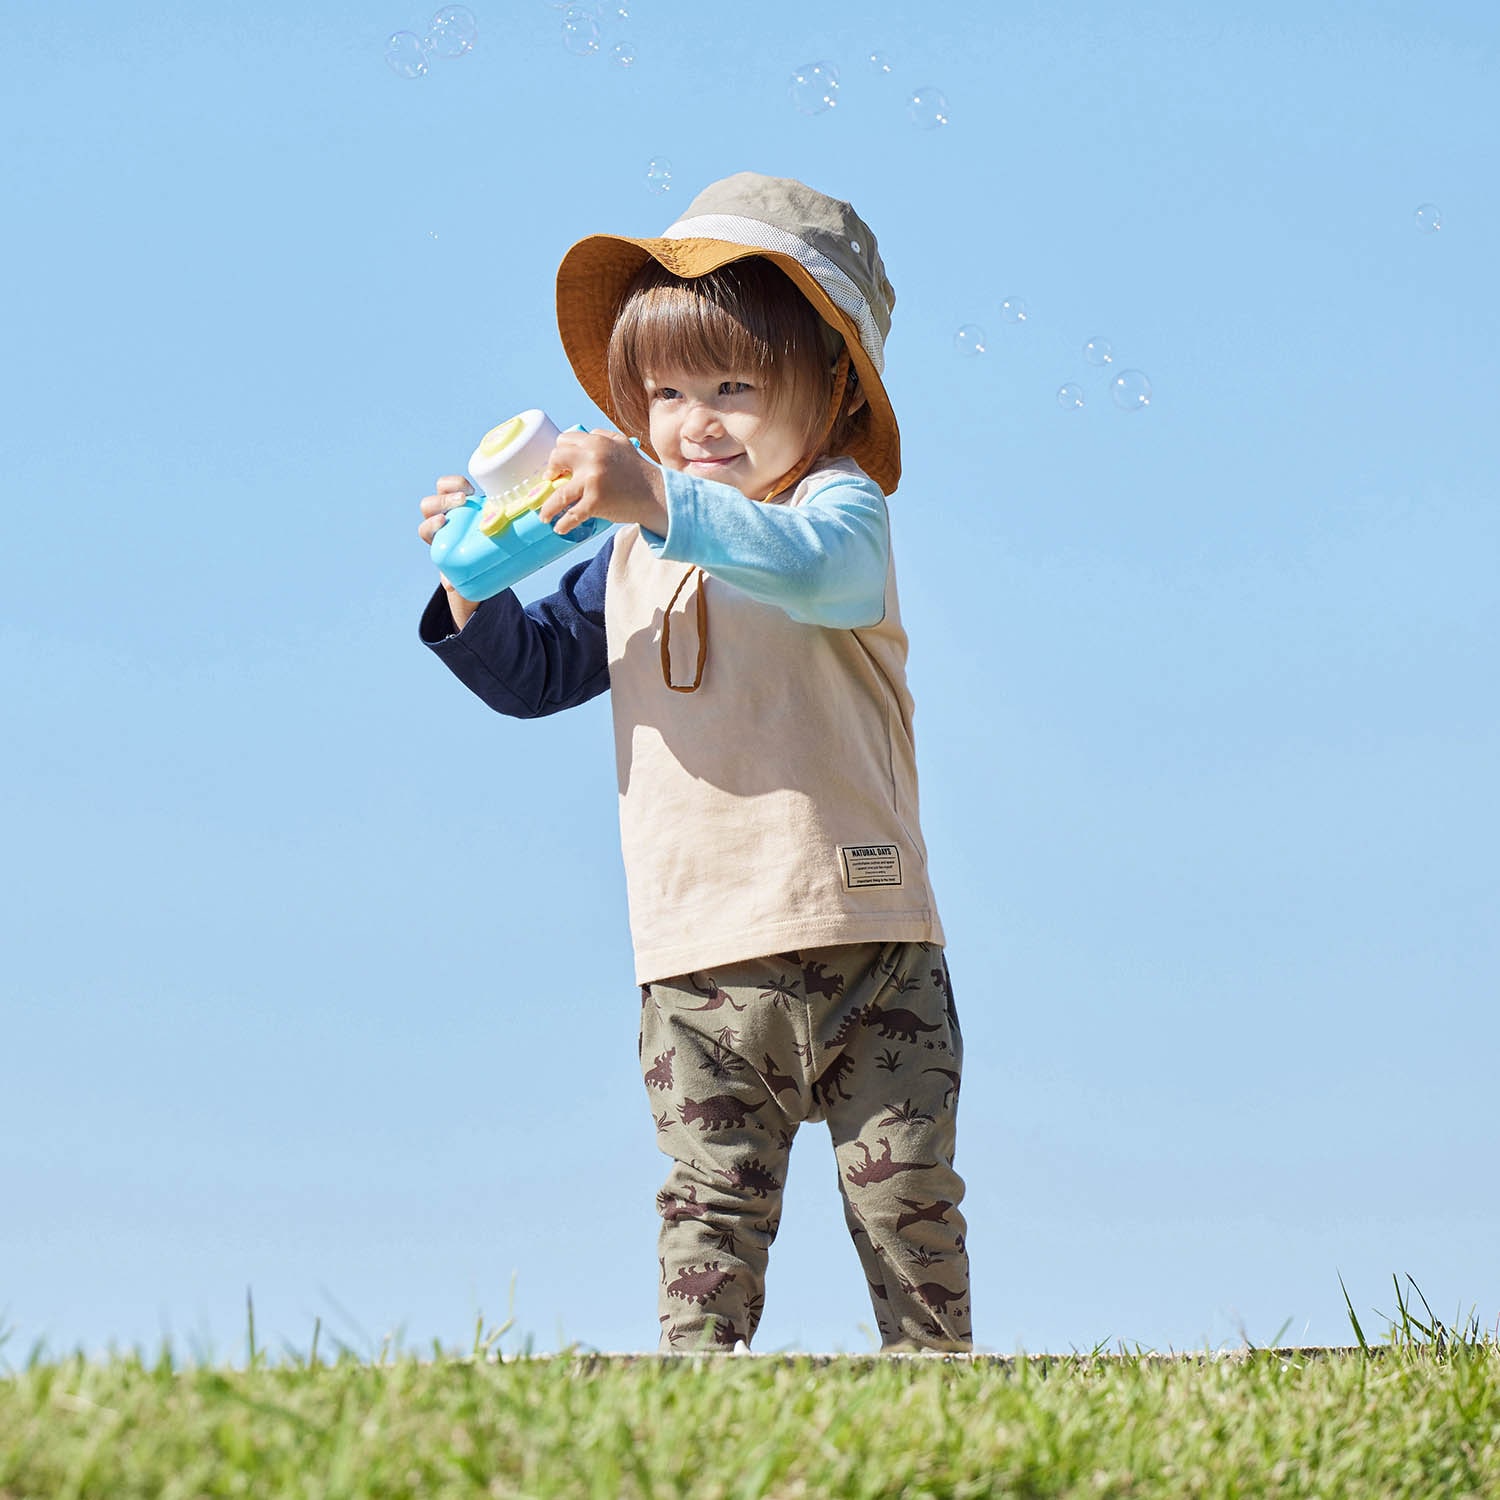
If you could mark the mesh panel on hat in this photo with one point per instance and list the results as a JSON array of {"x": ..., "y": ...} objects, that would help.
[{"x": 841, "y": 290}]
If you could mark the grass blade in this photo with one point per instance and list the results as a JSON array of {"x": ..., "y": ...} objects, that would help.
[{"x": 1359, "y": 1332}]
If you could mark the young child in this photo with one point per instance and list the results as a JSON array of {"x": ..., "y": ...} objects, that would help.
[{"x": 744, "y": 620}]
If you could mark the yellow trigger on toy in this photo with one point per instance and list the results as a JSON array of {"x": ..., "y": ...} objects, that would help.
[
  {"x": 497, "y": 514},
  {"x": 538, "y": 494},
  {"x": 493, "y": 518}
]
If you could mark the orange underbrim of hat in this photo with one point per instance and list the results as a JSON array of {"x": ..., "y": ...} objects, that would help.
[{"x": 591, "y": 285}]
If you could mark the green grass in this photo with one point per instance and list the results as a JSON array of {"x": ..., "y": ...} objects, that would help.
[{"x": 1418, "y": 1415}]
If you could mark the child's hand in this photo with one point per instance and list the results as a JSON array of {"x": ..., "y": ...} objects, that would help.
[
  {"x": 603, "y": 475},
  {"x": 452, "y": 490}
]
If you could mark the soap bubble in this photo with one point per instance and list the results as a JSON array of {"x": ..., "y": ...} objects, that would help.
[
  {"x": 407, "y": 55},
  {"x": 580, "y": 32},
  {"x": 879, "y": 62},
  {"x": 927, "y": 107},
  {"x": 1429, "y": 220},
  {"x": 1098, "y": 352},
  {"x": 452, "y": 31},
  {"x": 815, "y": 87},
  {"x": 1013, "y": 310},
  {"x": 624, "y": 54},
  {"x": 1130, "y": 391},
  {"x": 969, "y": 339},
  {"x": 1070, "y": 396},
  {"x": 659, "y": 175}
]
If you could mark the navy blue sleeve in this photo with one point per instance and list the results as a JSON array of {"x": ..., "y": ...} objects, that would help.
[{"x": 531, "y": 661}]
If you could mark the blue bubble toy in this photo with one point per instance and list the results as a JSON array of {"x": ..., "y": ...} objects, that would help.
[{"x": 488, "y": 545}]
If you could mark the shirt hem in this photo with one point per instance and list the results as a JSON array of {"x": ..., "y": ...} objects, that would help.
[{"x": 653, "y": 965}]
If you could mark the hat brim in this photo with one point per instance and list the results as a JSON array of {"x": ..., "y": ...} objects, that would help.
[{"x": 591, "y": 285}]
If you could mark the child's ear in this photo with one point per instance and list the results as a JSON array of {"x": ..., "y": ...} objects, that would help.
[{"x": 854, "y": 398}]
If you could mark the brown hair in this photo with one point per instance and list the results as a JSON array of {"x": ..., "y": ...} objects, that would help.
[{"x": 747, "y": 317}]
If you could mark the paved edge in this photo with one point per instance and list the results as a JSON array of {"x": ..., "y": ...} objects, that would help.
[{"x": 589, "y": 1359}]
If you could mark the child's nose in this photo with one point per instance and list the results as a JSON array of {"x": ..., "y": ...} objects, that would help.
[{"x": 702, "y": 422}]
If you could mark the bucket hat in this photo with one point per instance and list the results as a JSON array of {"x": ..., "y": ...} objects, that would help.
[{"x": 825, "y": 248}]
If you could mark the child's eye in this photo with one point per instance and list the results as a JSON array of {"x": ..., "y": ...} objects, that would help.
[
  {"x": 733, "y": 387},
  {"x": 664, "y": 393}
]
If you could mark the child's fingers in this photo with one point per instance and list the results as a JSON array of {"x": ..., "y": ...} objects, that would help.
[
  {"x": 451, "y": 491},
  {"x": 437, "y": 505},
  {"x": 579, "y": 452},
  {"x": 565, "y": 496}
]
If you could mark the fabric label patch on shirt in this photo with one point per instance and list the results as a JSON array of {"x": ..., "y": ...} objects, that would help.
[{"x": 870, "y": 864}]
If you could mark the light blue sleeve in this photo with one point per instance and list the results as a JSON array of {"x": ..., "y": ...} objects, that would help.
[{"x": 824, "y": 562}]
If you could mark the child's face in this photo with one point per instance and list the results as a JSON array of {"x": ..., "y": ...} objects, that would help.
[{"x": 723, "y": 426}]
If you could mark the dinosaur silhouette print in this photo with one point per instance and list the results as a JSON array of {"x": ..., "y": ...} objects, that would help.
[
  {"x": 898, "y": 1025},
  {"x": 847, "y": 1027},
  {"x": 693, "y": 1284},
  {"x": 777, "y": 1082},
  {"x": 716, "y": 998},
  {"x": 936, "y": 1213},
  {"x": 832, "y": 1081},
  {"x": 721, "y": 1112},
  {"x": 879, "y": 1168},
  {"x": 754, "y": 1178},
  {"x": 950, "y": 1094},
  {"x": 816, "y": 980},
  {"x": 950, "y": 1006},
  {"x": 659, "y": 1074},
  {"x": 933, "y": 1293},
  {"x": 671, "y": 1207}
]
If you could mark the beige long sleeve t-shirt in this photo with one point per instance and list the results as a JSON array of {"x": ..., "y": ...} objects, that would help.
[{"x": 775, "y": 808}]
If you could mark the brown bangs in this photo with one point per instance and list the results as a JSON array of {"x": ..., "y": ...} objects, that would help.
[{"x": 744, "y": 318}]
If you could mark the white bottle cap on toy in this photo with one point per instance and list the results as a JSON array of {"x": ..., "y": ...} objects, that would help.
[{"x": 512, "y": 453}]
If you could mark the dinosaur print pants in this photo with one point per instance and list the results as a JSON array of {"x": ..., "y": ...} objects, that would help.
[{"x": 864, "y": 1036}]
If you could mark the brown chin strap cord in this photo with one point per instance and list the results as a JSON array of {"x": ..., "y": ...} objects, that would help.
[{"x": 789, "y": 480}]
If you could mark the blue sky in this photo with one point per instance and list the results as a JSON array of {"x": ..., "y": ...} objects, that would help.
[{"x": 316, "y": 974}]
